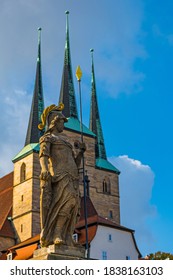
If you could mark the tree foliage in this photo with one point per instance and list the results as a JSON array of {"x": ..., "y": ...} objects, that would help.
[{"x": 160, "y": 256}]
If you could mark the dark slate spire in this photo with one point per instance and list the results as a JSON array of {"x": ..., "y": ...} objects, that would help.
[
  {"x": 37, "y": 107},
  {"x": 67, "y": 93},
  {"x": 95, "y": 123}
]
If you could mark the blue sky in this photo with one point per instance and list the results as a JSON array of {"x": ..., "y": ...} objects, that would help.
[{"x": 133, "y": 57}]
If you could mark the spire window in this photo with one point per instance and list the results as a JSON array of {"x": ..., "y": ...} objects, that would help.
[
  {"x": 23, "y": 172},
  {"x": 106, "y": 185}
]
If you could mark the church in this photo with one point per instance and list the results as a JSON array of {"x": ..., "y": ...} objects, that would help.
[{"x": 99, "y": 228}]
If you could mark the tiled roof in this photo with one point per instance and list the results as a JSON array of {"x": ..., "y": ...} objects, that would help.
[
  {"x": 6, "y": 229},
  {"x": 25, "y": 253},
  {"x": 6, "y": 181},
  {"x": 94, "y": 218},
  {"x": 91, "y": 211},
  {"x": 27, "y": 242},
  {"x": 6, "y": 192}
]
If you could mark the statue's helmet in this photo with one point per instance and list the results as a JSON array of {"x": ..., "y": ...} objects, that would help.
[{"x": 49, "y": 115}]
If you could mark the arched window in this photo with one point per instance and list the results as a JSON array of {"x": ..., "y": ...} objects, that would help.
[
  {"x": 106, "y": 185},
  {"x": 23, "y": 172}
]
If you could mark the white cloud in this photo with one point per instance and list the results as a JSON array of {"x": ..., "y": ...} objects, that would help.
[
  {"x": 165, "y": 37},
  {"x": 15, "y": 107},
  {"x": 136, "y": 184}
]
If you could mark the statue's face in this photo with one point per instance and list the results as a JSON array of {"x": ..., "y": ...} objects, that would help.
[
  {"x": 56, "y": 121},
  {"x": 59, "y": 124}
]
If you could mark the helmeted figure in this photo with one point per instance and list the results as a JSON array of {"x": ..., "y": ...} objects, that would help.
[{"x": 59, "y": 180}]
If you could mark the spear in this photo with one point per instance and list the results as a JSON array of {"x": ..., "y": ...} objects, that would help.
[{"x": 79, "y": 75}]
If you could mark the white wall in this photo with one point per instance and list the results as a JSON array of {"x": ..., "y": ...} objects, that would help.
[{"x": 122, "y": 244}]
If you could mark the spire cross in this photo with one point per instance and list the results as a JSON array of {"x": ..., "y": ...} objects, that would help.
[
  {"x": 39, "y": 43},
  {"x": 91, "y": 51}
]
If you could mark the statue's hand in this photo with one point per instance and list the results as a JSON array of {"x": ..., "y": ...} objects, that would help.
[
  {"x": 81, "y": 146},
  {"x": 44, "y": 175}
]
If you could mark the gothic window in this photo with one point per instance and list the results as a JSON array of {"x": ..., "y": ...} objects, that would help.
[
  {"x": 106, "y": 185},
  {"x": 23, "y": 172}
]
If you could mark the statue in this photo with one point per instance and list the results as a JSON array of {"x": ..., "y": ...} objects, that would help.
[{"x": 59, "y": 180}]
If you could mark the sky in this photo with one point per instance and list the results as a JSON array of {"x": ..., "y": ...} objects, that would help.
[{"x": 133, "y": 59}]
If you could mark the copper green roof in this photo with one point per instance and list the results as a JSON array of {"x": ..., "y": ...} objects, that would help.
[
  {"x": 27, "y": 150},
  {"x": 96, "y": 128},
  {"x": 95, "y": 122},
  {"x": 37, "y": 107},
  {"x": 105, "y": 164},
  {"x": 67, "y": 92},
  {"x": 74, "y": 124}
]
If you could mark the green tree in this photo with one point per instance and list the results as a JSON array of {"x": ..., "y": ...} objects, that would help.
[{"x": 160, "y": 256}]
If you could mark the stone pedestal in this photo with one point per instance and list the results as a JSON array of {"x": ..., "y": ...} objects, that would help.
[{"x": 59, "y": 252}]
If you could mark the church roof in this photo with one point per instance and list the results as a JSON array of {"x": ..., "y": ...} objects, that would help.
[
  {"x": 94, "y": 218},
  {"x": 37, "y": 107},
  {"x": 105, "y": 164},
  {"x": 95, "y": 122},
  {"x": 67, "y": 92},
  {"x": 27, "y": 150},
  {"x": 6, "y": 194},
  {"x": 74, "y": 124},
  {"x": 96, "y": 128}
]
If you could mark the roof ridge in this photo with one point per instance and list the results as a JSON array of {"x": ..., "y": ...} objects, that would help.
[{"x": 6, "y": 175}]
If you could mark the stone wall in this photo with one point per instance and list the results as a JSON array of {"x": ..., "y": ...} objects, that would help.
[{"x": 26, "y": 197}]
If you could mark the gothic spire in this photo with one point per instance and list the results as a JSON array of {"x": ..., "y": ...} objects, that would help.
[
  {"x": 37, "y": 107},
  {"x": 95, "y": 123},
  {"x": 67, "y": 93}
]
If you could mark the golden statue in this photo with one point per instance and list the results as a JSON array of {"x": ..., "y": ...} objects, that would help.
[{"x": 59, "y": 180}]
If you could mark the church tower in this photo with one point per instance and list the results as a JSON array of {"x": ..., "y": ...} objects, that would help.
[
  {"x": 105, "y": 180},
  {"x": 26, "y": 189},
  {"x": 103, "y": 176}
]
